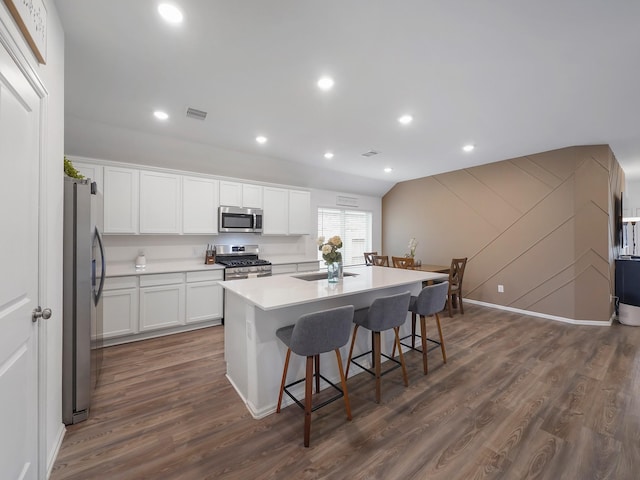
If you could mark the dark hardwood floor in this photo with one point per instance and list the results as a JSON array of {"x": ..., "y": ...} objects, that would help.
[{"x": 519, "y": 398}]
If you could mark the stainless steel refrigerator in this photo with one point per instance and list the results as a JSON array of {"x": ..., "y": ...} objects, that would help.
[{"x": 84, "y": 270}]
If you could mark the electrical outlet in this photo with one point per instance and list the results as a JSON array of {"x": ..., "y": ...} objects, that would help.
[{"x": 500, "y": 288}]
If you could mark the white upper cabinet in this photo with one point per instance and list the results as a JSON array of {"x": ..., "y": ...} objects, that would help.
[
  {"x": 160, "y": 202},
  {"x": 276, "y": 211},
  {"x": 199, "y": 205},
  {"x": 251, "y": 196},
  {"x": 299, "y": 212},
  {"x": 230, "y": 194},
  {"x": 120, "y": 200},
  {"x": 235, "y": 194}
]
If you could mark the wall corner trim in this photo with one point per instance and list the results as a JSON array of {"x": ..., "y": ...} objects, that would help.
[
  {"x": 53, "y": 454},
  {"x": 597, "y": 323}
]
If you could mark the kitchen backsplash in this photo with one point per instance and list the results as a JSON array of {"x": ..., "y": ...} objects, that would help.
[{"x": 124, "y": 248}]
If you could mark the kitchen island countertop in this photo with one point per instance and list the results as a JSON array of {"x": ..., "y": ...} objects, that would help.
[{"x": 268, "y": 293}]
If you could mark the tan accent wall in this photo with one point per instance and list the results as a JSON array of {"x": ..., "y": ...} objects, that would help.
[{"x": 541, "y": 225}]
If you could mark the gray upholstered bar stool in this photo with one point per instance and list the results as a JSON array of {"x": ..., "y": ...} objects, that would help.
[
  {"x": 385, "y": 313},
  {"x": 313, "y": 334},
  {"x": 431, "y": 300}
]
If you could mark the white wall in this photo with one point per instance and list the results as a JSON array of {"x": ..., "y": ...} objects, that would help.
[
  {"x": 631, "y": 200},
  {"x": 631, "y": 208}
]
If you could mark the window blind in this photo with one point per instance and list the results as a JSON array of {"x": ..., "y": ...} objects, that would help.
[{"x": 354, "y": 228}]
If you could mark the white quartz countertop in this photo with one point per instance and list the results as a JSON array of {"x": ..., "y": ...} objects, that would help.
[
  {"x": 123, "y": 269},
  {"x": 279, "y": 291}
]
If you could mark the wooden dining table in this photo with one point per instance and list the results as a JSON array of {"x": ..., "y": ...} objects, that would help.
[{"x": 433, "y": 268}]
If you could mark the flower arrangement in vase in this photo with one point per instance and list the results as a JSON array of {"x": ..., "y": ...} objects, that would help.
[
  {"x": 413, "y": 243},
  {"x": 331, "y": 256}
]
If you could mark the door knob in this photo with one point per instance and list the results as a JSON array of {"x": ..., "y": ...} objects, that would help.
[{"x": 40, "y": 313}]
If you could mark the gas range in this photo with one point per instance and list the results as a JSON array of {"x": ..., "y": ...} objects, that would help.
[{"x": 241, "y": 261}]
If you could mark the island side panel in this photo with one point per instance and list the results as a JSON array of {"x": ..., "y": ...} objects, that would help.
[{"x": 235, "y": 342}]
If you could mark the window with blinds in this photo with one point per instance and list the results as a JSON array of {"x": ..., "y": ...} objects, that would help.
[{"x": 354, "y": 228}]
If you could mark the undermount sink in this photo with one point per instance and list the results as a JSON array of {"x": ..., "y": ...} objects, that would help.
[{"x": 311, "y": 277}]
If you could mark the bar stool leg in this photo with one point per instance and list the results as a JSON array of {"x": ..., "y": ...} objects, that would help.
[
  {"x": 353, "y": 342},
  {"x": 376, "y": 356},
  {"x": 284, "y": 378},
  {"x": 423, "y": 336},
  {"x": 404, "y": 368},
  {"x": 343, "y": 381},
  {"x": 413, "y": 330},
  {"x": 317, "y": 375},
  {"x": 373, "y": 353},
  {"x": 444, "y": 353},
  {"x": 308, "y": 392}
]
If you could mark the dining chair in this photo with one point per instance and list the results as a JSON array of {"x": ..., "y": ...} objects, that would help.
[
  {"x": 313, "y": 334},
  {"x": 381, "y": 260},
  {"x": 456, "y": 273},
  {"x": 403, "y": 262},
  {"x": 385, "y": 313},
  {"x": 368, "y": 257}
]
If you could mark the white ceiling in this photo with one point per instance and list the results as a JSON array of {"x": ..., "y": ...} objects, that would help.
[{"x": 511, "y": 77}]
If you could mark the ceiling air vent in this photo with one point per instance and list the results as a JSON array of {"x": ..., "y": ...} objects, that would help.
[
  {"x": 195, "y": 113},
  {"x": 370, "y": 153}
]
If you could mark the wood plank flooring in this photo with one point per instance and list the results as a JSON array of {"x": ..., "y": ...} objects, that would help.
[{"x": 519, "y": 398}]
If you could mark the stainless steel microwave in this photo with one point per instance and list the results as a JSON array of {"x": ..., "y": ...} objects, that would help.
[{"x": 240, "y": 220}]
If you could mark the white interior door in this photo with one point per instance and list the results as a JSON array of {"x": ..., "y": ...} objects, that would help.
[{"x": 19, "y": 196}]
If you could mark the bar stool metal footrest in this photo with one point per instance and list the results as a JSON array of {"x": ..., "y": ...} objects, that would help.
[
  {"x": 437, "y": 343},
  {"x": 398, "y": 364},
  {"x": 320, "y": 405}
]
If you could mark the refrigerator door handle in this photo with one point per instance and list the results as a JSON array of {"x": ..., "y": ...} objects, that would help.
[{"x": 104, "y": 267}]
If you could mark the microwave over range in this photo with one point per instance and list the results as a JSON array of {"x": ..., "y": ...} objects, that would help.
[{"x": 240, "y": 220}]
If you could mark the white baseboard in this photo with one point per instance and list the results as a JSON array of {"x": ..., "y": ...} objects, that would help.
[
  {"x": 53, "y": 454},
  {"x": 596, "y": 323}
]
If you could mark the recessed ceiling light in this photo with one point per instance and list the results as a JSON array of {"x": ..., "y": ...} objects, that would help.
[
  {"x": 160, "y": 115},
  {"x": 170, "y": 13},
  {"x": 325, "y": 83},
  {"x": 261, "y": 139},
  {"x": 405, "y": 119},
  {"x": 328, "y": 155},
  {"x": 388, "y": 170},
  {"x": 468, "y": 148}
]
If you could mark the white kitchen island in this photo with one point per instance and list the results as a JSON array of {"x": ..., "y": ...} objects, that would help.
[{"x": 255, "y": 308}]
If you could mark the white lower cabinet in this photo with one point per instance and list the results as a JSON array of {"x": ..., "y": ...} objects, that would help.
[
  {"x": 162, "y": 301},
  {"x": 150, "y": 305},
  {"x": 204, "y": 296},
  {"x": 120, "y": 307}
]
